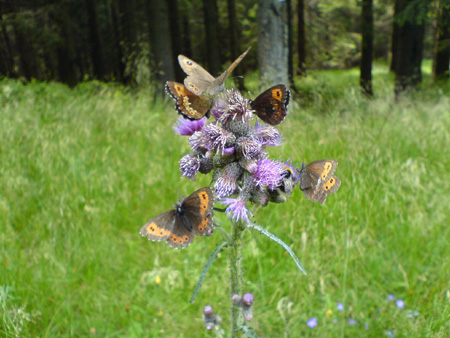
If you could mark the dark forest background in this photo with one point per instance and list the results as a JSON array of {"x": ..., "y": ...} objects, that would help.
[{"x": 136, "y": 42}]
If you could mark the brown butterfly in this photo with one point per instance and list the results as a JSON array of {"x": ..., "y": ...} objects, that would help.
[
  {"x": 193, "y": 216},
  {"x": 187, "y": 104},
  {"x": 271, "y": 105},
  {"x": 317, "y": 180},
  {"x": 199, "y": 81}
]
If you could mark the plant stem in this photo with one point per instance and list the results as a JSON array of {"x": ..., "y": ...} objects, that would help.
[{"x": 235, "y": 261}]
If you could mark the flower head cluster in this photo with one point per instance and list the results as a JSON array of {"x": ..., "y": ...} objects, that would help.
[
  {"x": 210, "y": 318},
  {"x": 234, "y": 149}
]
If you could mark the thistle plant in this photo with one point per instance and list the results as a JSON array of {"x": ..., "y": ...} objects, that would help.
[{"x": 232, "y": 147}]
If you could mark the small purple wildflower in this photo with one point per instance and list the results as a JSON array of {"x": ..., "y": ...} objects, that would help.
[
  {"x": 312, "y": 323},
  {"x": 210, "y": 318},
  {"x": 208, "y": 310},
  {"x": 351, "y": 322},
  {"x": 400, "y": 303},
  {"x": 251, "y": 149},
  {"x": 340, "y": 306},
  {"x": 238, "y": 208},
  {"x": 236, "y": 299},
  {"x": 226, "y": 183},
  {"x": 390, "y": 297},
  {"x": 186, "y": 127}
]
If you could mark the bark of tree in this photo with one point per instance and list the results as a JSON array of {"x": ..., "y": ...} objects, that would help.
[
  {"x": 8, "y": 60},
  {"x": 365, "y": 80},
  {"x": 96, "y": 49},
  {"x": 410, "y": 47},
  {"x": 272, "y": 43},
  {"x": 211, "y": 20},
  {"x": 441, "y": 58},
  {"x": 290, "y": 45},
  {"x": 234, "y": 43},
  {"x": 160, "y": 42},
  {"x": 175, "y": 34},
  {"x": 301, "y": 38},
  {"x": 120, "y": 64},
  {"x": 395, "y": 36}
]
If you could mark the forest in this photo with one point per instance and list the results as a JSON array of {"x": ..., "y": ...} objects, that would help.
[{"x": 212, "y": 168}]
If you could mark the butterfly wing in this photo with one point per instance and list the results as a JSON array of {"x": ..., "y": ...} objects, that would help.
[
  {"x": 271, "y": 105},
  {"x": 198, "y": 208},
  {"x": 218, "y": 84},
  {"x": 161, "y": 227},
  {"x": 198, "y": 79},
  {"x": 187, "y": 104},
  {"x": 317, "y": 180},
  {"x": 181, "y": 236}
]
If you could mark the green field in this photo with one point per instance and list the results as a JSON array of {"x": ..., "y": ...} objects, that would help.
[{"x": 83, "y": 169}]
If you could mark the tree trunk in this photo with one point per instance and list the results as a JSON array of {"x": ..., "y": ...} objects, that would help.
[
  {"x": 8, "y": 60},
  {"x": 272, "y": 43},
  {"x": 95, "y": 41},
  {"x": 175, "y": 35},
  {"x": 234, "y": 43},
  {"x": 301, "y": 38},
  {"x": 395, "y": 36},
  {"x": 410, "y": 48},
  {"x": 120, "y": 64},
  {"x": 441, "y": 58},
  {"x": 365, "y": 80},
  {"x": 211, "y": 19},
  {"x": 290, "y": 45},
  {"x": 160, "y": 42}
]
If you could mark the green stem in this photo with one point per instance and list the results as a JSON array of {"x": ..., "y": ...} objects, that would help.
[{"x": 235, "y": 261}]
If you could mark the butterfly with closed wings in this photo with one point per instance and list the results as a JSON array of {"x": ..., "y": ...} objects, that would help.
[
  {"x": 193, "y": 216},
  {"x": 188, "y": 104}
]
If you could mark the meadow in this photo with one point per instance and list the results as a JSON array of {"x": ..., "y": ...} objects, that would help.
[{"x": 83, "y": 169}]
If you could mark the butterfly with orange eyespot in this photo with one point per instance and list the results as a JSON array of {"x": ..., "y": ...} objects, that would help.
[
  {"x": 199, "y": 81},
  {"x": 271, "y": 106},
  {"x": 193, "y": 216},
  {"x": 317, "y": 180},
  {"x": 187, "y": 104}
]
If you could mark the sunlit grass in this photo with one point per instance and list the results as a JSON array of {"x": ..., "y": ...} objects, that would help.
[{"x": 83, "y": 169}]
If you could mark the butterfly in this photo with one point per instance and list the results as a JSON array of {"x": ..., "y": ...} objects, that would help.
[
  {"x": 271, "y": 105},
  {"x": 187, "y": 104},
  {"x": 193, "y": 216},
  {"x": 317, "y": 180},
  {"x": 199, "y": 81}
]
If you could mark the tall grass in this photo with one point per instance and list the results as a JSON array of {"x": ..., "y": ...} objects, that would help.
[{"x": 82, "y": 169}]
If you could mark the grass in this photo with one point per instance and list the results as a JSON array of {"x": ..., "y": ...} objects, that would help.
[{"x": 83, "y": 169}]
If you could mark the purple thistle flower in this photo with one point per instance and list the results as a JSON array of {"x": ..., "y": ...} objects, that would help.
[
  {"x": 217, "y": 137},
  {"x": 189, "y": 166},
  {"x": 390, "y": 297},
  {"x": 232, "y": 106},
  {"x": 312, "y": 323},
  {"x": 186, "y": 127},
  {"x": 340, "y": 306},
  {"x": 351, "y": 322},
  {"x": 400, "y": 303},
  {"x": 237, "y": 209},
  {"x": 268, "y": 136},
  {"x": 198, "y": 141},
  {"x": 236, "y": 299},
  {"x": 251, "y": 149},
  {"x": 228, "y": 151},
  {"x": 208, "y": 310},
  {"x": 248, "y": 299},
  {"x": 268, "y": 174},
  {"x": 226, "y": 183}
]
